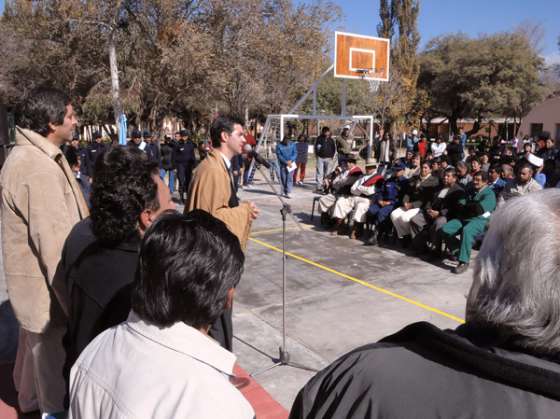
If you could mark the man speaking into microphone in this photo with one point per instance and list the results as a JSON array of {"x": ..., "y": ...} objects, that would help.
[{"x": 212, "y": 190}]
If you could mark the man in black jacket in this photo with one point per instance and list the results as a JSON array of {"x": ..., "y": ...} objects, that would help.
[
  {"x": 185, "y": 161},
  {"x": 100, "y": 255},
  {"x": 167, "y": 164},
  {"x": 95, "y": 149},
  {"x": 325, "y": 150},
  {"x": 502, "y": 363}
]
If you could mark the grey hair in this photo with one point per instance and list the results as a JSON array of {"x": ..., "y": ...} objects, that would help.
[{"x": 516, "y": 285}]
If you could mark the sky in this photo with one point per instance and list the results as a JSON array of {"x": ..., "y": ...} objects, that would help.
[{"x": 473, "y": 17}]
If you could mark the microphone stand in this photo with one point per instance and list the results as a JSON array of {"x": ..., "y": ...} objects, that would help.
[{"x": 283, "y": 354}]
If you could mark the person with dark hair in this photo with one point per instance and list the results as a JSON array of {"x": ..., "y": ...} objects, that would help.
[
  {"x": 495, "y": 179},
  {"x": 302, "y": 150},
  {"x": 95, "y": 149},
  {"x": 185, "y": 161},
  {"x": 75, "y": 162},
  {"x": 325, "y": 150},
  {"x": 152, "y": 148},
  {"x": 83, "y": 154},
  {"x": 167, "y": 163},
  {"x": 471, "y": 221},
  {"x": 40, "y": 203},
  {"x": 161, "y": 363},
  {"x": 286, "y": 154},
  {"x": 101, "y": 253},
  {"x": 212, "y": 190},
  {"x": 455, "y": 151}
]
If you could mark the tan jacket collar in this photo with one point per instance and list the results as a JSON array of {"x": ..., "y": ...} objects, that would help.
[{"x": 28, "y": 137}]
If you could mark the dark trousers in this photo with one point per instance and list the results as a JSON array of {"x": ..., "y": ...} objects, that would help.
[
  {"x": 184, "y": 175},
  {"x": 222, "y": 330}
]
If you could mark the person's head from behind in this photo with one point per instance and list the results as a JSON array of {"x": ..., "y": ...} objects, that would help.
[
  {"x": 515, "y": 290},
  {"x": 49, "y": 112},
  {"x": 189, "y": 266},
  {"x": 227, "y": 135},
  {"x": 449, "y": 177},
  {"x": 524, "y": 173},
  {"x": 127, "y": 195}
]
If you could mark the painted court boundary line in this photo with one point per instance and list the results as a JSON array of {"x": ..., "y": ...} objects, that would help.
[{"x": 361, "y": 282}]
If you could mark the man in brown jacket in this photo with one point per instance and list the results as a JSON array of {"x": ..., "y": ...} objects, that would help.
[
  {"x": 41, "y": 202},
  {"x": 212, "y": 190}
]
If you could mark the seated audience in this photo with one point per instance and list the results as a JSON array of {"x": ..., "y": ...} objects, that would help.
[
  {"x": 359, "y": 200},
  {"x": 445, "y": 206},
  {"x": 463, "y": 176},
  {"x": 495, "y": 181},
  {"x": 419, "y": 195},
  {"x": 100, "y": 255},
  {"x": 385, "y": 200},
  {"x": 338, "y": 183},
  {"x": 161, "y": 363},
  {"x": 522, "y": 185},
  {"x": 500, "y": 364},
  {"x": 413, "y": 167},
  {"x": 471, "y": 221}
]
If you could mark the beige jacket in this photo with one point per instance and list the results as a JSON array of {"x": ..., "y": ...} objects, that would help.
[
  {"x": 210, "y": 190},
  {"x": 41, "y": 202}
]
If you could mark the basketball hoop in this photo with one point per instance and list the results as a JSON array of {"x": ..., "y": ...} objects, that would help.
[{"x": 373, "y": 83}]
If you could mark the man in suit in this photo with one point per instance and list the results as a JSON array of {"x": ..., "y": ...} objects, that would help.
[{"x": 212, "y": 189}]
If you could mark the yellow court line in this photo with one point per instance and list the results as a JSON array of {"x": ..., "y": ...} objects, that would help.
[
  {"x": 362, "y": 282},
  {"x": 275, "y": 230}
]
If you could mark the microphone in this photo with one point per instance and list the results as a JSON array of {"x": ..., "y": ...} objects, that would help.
[{"x": 259, "y": 159}]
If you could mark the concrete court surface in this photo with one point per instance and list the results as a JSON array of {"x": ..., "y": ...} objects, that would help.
[{"x": 328, "y": 313}]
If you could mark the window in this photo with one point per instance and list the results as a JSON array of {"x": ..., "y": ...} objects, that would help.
[{"x": 536, "y": 129}]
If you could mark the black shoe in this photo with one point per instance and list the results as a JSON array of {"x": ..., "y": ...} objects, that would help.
[
  {"x": 372, "y": 239},
  {"x": 460, "y": 268}
]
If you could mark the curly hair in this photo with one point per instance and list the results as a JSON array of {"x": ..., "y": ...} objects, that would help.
[{"x": 123, "y": 187}]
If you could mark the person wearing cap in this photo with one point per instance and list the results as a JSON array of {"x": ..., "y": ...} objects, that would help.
[
  {"x": 338, "y": 184},
  {"x": 522, "y": 185},
  {"x": 385, "y": 200},
  {"x": 95, "y": 149},
  {"x": 185, "y": 161},
  {"x": 471, "y": 221},
  {"x": 538, "y": 166},
  {"x": 135, "y": 140},
  {"x": 359, "y": 201}
]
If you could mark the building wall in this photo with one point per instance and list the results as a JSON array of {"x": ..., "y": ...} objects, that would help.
[{"x": 546, "y": 114}]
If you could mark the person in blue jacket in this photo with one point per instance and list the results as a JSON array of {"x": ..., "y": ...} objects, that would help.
[{"x": 286, "y": 153}]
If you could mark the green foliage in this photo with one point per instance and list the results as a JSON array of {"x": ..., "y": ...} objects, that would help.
[{"x": 490, "y": 75}]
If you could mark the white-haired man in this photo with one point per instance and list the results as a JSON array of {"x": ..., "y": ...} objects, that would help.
[{"x": 502, "y": 363}]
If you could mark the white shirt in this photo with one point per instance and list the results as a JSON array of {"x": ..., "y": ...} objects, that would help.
[
  {"x": 137, "y": 370},
  {"x": 226, "y": 160},
  {"x": 438, "y": 149}
]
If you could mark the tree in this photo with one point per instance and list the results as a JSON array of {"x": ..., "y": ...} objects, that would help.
[
  {"x": 399, "y": 24},
  {"x": 479, "y": 78}
]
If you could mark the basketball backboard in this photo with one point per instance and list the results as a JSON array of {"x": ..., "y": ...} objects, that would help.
[{"x": 361, "y": 57}]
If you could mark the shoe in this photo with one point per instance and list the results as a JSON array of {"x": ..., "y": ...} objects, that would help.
[
  {"x": 460, "y": 268},
  {"x": 287, "y": 196},
  {"x": 372, "y": 239}
]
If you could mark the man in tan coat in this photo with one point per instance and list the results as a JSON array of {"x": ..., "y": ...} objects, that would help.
[
  {"x": 212, "y": 190},
  {"x": 41, "y": 202}
]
